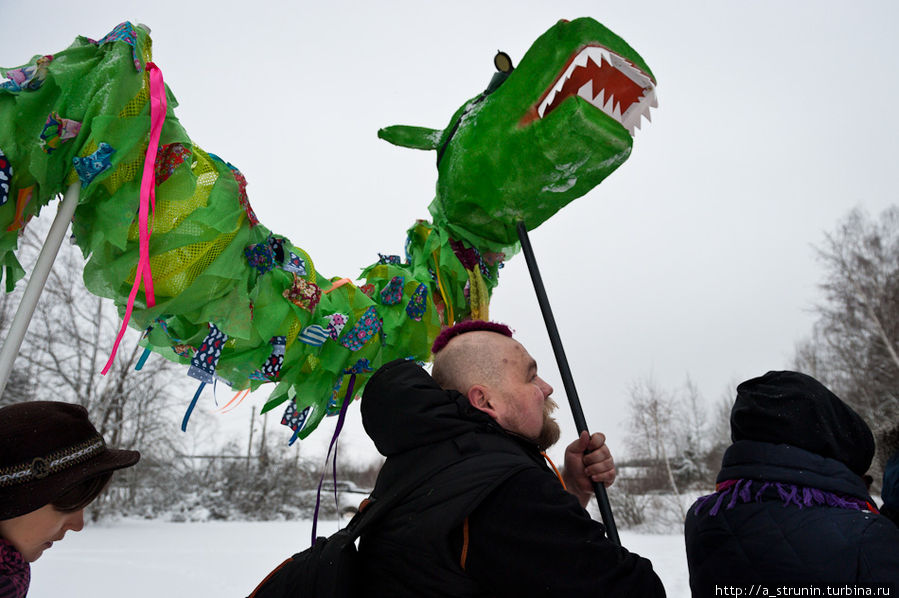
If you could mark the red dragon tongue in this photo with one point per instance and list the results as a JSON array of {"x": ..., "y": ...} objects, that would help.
[{"x": 608, "y": 82}]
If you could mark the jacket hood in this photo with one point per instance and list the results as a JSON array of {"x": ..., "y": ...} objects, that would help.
[
  {"x": 795, "y": 409},
  {"x": 403, "y": 408}
]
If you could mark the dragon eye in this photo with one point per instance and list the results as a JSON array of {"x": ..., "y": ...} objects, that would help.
[{"x": 502, "y": 62}]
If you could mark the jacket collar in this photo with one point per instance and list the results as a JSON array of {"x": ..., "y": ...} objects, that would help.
[{"x": 749, "y": 459}]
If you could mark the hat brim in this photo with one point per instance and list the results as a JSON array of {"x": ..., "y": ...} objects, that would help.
[{"x": 20, "y": 499}]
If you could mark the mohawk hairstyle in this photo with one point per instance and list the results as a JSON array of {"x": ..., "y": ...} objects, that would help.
[{"x": 468, "y": 326}]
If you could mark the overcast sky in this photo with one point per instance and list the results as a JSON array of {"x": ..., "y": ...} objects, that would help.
[{"x": 695, "y": 257}]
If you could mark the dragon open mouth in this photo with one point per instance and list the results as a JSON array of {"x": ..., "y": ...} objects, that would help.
[{"x": 606, "y": 80}]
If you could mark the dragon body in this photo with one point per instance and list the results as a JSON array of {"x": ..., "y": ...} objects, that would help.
[{"x": 238, "y": 303}]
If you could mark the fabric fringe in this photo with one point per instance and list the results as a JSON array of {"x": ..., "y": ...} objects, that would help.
[{"x": 741, "y": 491}]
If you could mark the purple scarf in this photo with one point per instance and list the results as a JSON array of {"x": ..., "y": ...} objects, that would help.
[
  {"x": 15, "y": 573},
  {"x": 800, "y": 496}
]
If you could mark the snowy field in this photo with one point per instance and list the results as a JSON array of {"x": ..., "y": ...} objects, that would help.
[{"x": 144, "y": 559}]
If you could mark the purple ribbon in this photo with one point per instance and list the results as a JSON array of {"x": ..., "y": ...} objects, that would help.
[{"x": 340, "y": 419}]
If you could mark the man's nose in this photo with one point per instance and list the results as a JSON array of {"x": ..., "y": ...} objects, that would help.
[{"x": 545, "y": 387}]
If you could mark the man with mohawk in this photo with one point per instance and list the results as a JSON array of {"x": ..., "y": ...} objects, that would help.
[{"x": 494, "y": 519}]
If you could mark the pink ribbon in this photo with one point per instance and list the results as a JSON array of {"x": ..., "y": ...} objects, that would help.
[{"x": 147, "y": 204}]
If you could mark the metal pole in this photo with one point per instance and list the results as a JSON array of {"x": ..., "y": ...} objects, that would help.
[
  {"x": 36, "y": 283},
  {"x": 602, "y": 499}
]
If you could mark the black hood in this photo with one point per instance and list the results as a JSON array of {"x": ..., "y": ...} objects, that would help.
[
  {"x": 403, "y": 408},
  {"x": 795, "y": 409}
]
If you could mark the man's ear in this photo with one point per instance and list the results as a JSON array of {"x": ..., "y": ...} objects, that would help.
[{"x": 479, "y": 397}]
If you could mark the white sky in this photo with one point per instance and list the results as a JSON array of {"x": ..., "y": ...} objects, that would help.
[{"x": 695, "y": 257}]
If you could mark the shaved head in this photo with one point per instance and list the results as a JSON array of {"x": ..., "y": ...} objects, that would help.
[{"x": 471, "y": 358}]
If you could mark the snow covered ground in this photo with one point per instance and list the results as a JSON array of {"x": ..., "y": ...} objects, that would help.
[{"x": 143, "y": 559}]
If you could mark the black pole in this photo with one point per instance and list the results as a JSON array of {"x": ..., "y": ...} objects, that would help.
[{"x": 602, "y": 499}]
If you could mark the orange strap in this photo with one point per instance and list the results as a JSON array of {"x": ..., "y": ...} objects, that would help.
[
  {"x": 269, "y": 576},
  {"x": 464, "y": 557},
  {"x": 553, "y": 465}
]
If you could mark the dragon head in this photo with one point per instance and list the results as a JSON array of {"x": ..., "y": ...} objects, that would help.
[{"x": 540, "y": 135}]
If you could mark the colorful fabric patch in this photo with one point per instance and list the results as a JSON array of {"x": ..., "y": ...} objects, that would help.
[
  {"x": 295, "y": 264},
  {"x": 123, "y": 32},
  {"x": 407, "y": 249},
  {"x": 277, "y": 245},
  {"x": 418, "y": 303},
  {"x": 336, "y": 322},
  {"x": 293, "y": 418},
  {"x": 365, "y": 328},
  {"x": 332, "y": 408},
  {"x": 360, "y": 367},
  {"x": 261, "y": 257},
  {"x": 303, "y": 293},
  {"x": 257, "y": 375},
  {"x": 28, "y": 77},
  {"x": 170, "y": 157},
  {"x": 242, "y": 195},
  {"x": 57, "y": 130},
  {"x": 5, "y": 177},
  {"x": 90, "y": 166},
  {"x": 273, "y": 365},
  {"x": 202, "y": 366},
  {"x": 392, "y": 293},
  {"x": 389, "y": 259},
  {"x": 336, "y": 393},
  {"x": 313, "y": 335},
  {"x": 368, "y": 289},
  {"x": 183, "y": 350},
  {"x": 165, "y": 327}
]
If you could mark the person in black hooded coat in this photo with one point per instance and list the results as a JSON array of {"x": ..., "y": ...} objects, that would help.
[
  {"x": 889, "y": 489},
  {"x": 494, "y": 520},
  {"x": 791, "y": 505}
]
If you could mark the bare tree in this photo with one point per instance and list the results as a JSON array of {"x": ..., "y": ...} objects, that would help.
[
  {"x": 854, "y": 348},
  {"x": 652, "y": 424}
]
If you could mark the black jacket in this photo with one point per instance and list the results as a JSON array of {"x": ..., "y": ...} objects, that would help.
[
  {"x": 761, "y": 532},
  {"x": 525, "y": 535}
]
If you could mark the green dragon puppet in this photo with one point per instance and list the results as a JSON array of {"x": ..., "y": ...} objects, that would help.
[{"x": 238, "y": 303}]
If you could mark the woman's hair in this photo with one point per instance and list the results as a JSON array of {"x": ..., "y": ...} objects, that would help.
[{"x": 79, "y": 496}]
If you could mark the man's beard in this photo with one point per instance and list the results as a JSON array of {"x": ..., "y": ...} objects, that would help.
[{"x": 549, "y": 432}]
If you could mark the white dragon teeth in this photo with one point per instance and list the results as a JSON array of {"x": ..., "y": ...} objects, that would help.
[
  {"x": 630, "y": 119},
  {"x": 586, "y": 91}
]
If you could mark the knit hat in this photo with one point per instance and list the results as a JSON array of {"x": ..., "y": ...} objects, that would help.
[
  {"x": 795, "y": 409},
  {"x": 46, "y": 449}
]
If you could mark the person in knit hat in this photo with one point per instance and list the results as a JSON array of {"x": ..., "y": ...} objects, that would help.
[
  {"x": 53, "y": 463},
  {"x": 791, "y": 505}
]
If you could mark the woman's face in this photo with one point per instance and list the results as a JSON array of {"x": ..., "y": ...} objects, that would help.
[{"x": 33, "y": 533}]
